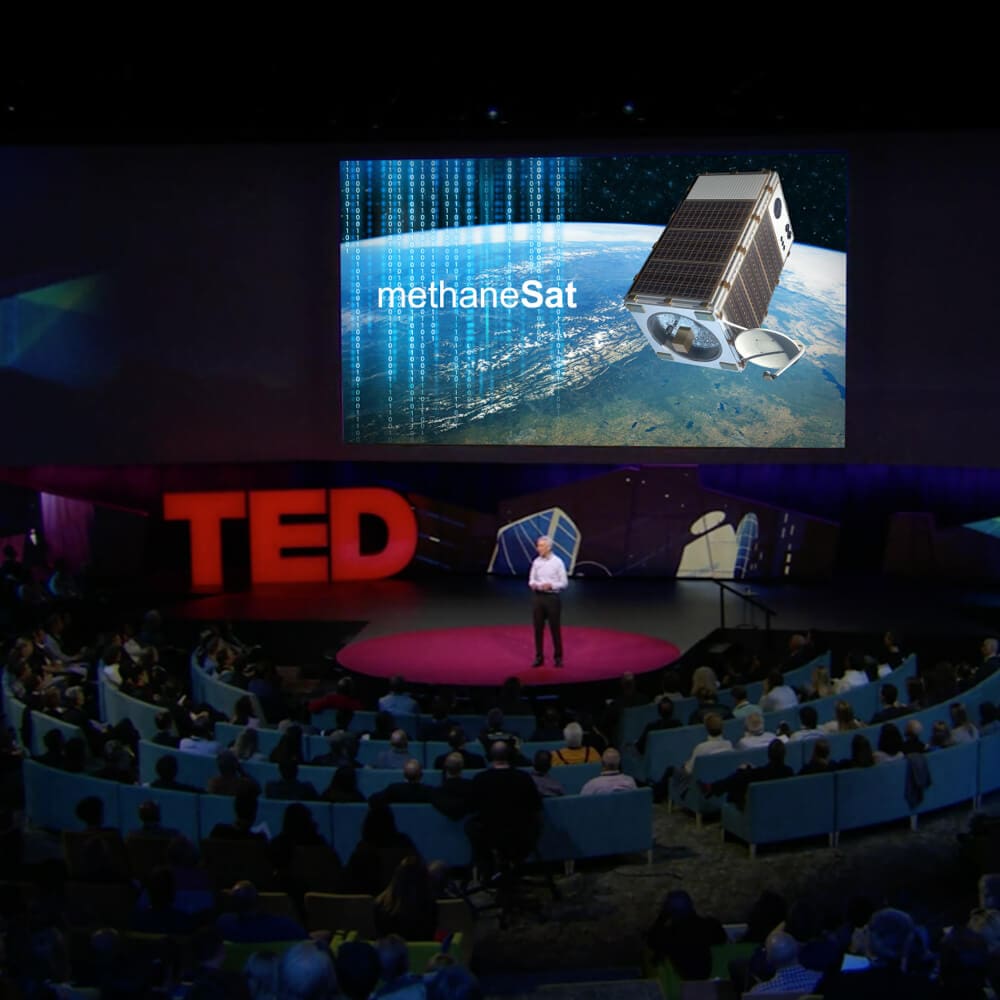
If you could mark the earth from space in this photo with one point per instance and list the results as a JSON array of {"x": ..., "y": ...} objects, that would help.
[{"x": 571, "y": 376}]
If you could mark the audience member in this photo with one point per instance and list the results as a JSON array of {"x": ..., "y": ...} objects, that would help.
[
  {"x": 611, "y": 778},
  {"x": 541, "y": 775}
]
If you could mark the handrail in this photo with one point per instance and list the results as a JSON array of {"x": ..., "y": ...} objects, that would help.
[{"x": 769, "y": 613}]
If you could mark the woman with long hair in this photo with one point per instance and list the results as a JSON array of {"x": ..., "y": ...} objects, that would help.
[{"x": 407, "y": 906}]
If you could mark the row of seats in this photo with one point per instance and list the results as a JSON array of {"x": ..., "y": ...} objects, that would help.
[
  {"x": 671, "y": 747},
  {"x": 575, "y": 826},
  {"x": 829, "y": 804},
  {"x": 196, "y": 769},
  {"x": 635, "y": 718}
]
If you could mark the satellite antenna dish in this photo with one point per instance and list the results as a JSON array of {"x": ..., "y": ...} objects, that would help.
[{"x": 775, "y": 352}]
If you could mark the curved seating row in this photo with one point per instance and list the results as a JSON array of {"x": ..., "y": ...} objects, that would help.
[
  {"x": 426, "y": 751},
  {"x": 116, "y": 706},
  {"x": 575, "y": 827},
  {"x": 828, "y": 804},
  {"x": 210, "y": 690},
  {"x": 712, "y": 767},
  {"x": 636, "y": 718},
  {"x": 671, "y": 747},
  {"x": 196, "y": 769}
]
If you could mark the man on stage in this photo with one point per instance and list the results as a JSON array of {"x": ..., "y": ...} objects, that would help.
[{"x": 547, "y": 580}]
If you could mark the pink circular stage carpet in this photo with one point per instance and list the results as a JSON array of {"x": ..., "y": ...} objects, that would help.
[{"x": 491, "y": 654}]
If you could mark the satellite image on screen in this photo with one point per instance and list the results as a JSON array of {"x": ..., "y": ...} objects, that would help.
[{"x": 482, "y": 303}]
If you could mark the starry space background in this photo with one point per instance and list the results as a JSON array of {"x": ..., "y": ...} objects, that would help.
[{"x": 643, "y": 189}]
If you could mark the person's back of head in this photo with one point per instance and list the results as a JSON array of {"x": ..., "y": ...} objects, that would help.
[
  {"x": 893, "y": 938},
  {"x": 453, "y": 765},
  {"x": 665, "y": 709},
  {"x": 456, "y": 737},
  {"x": 776, "y": 752},
  {"x": 166, "y": 767},
  {"x": 782, "y": 949},
  {"x": 611, "y": 761},
  {"x": 149, "y": 812},
  {"x": 90, "y": 811},
  {"x": 821, "y": 751},
  {"x": 398, "y": 740},
  {"x": 245, "y": 806},
  {"x": 393, "y": 957},
  {"x": 243, "y": 897},
  {"x": 989, "y": 891},
  {"x": 861, "y": 752},
  {"x": 543, "y": 761},
  {"x": 573, "y": 735},
  {"x": 228, "y": 764},
  {"x": 500, "y": 753},
  {"x": 413, "y": 772},
  {"x": 713, "y": 724},
  {"x": 358, "y": 969},
  {"x": 54, "y": 742},
  {"x": 308, "y": 973},
  {"x": 397, "y": 685},
  {"x": 754, "y": 724},
  {"x": 845, "y": 714},
  {"x": 890, "y": 740},
  {"x": 739, "y": 694},
  {"x": 808, "y": 717}
]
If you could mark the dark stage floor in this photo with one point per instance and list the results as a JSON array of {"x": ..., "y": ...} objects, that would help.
[{"x": 676, "y": 612}]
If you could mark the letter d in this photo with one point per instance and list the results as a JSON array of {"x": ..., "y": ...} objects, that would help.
[{"x": 346, "y": 508}]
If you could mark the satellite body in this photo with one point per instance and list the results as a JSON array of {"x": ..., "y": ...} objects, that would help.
[{"x": 704, "y": 290}]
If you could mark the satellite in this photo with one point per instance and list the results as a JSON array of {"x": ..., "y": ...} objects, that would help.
[
  {"x": 703, "y": 292},
  {"x": 515, "y": 547}
]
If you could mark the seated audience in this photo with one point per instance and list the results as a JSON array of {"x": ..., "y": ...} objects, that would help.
[
  {"x": 861, "y": 754},
  {"x": 735, "y": 785},
  {"x": 288, "y": 786},
  {"x": 574, "y": 752},
  {"x": 810, "y": 729},
  {"x": 411, "y": 790},
  {"x": 962, "y": 730},
  {"x": 246, "y": 923},
  {"x": 471, "y": 761},
  {"x": 664, "y": 720},
  {"x": 843, "y": 720},
  {"x": 455, "y": 796},
  {"x": 912, "y": 731},
  {"x": 754, "y": 733},
  {"x": 398, "y": 753},
  {"x": 683, "y": 937},
  {"x": 819, "y": 762},
  {"x": 407, "y": 906},
  {"x": 898, "y": 966},
  {"x": 789, "y": 974},
  {"x": 343, "y": 786},
  {"x": 777, "y": 694},
  {"x": 890, "y": 744},
  {"x": 889, "y": 706},
  {"x": 611, "y": 778},
  {"x": 378, "y": 853},
  {"x": 231, "y": 777},
  {"x": 541, "y": 775}
]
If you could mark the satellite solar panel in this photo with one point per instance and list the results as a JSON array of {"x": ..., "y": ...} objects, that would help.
[{"x": 691, "y": 256}]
